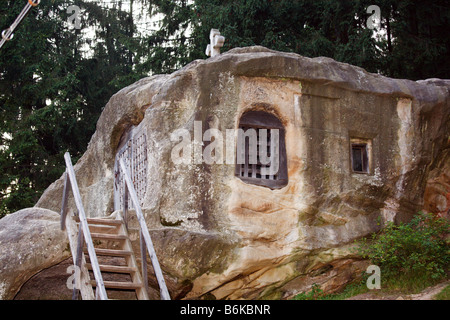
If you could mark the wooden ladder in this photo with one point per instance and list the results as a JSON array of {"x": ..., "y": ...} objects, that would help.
[
  {"x": 115, "y": 255},
  {"x": 107, "y": 239}
]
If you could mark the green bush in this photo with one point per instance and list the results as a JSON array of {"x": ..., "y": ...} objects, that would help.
[
  {"x": 417, "y": 247},
  {"x": 315, "y": 294}
]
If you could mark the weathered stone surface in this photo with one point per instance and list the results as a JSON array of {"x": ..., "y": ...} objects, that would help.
[
  {"x": 437, "y": 191},
  {"x": 30, "y": 240},
  {"x": 219, "y": 237},
  {"x": 48, "y": 284},
  {"x": 330, "y": 277}
]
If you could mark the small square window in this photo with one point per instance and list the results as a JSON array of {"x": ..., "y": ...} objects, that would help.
[
  {"x": 359, "y": 158},
  {"x": 360, "y": 155}
]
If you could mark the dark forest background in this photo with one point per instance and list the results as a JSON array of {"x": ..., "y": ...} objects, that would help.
[{"x": 55, "y": 79}]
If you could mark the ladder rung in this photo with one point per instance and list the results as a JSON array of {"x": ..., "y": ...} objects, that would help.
[
  {"x": 106, "y": 236},
  {"x": 111, "y": 252},
  {"x": 98, "y": 228},
  {"x": 109, "y": 222},
  {"x": 111, "y": 268},
  {"x": 119, "y": 285}
]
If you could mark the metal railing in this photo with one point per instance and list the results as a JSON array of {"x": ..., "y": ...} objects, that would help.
[
  {"x": 83, "y": 229},
  {"x": 145, "y": 239},
  {"x": 7, "y": 34},
  {"x": 84, "y": 235}
]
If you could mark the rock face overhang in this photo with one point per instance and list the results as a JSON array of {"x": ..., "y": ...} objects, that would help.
[{"x": 216, "y": 235}]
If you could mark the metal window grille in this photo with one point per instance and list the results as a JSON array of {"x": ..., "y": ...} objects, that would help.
[
  {"x": 258, "y": 131},
  {"x": 255, "y": 169},
  {"x": 134, "y": 153}
]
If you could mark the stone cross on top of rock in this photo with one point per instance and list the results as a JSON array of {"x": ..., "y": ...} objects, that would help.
[{"x": 216, "y": 42}]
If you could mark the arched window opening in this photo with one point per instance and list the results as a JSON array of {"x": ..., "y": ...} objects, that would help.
[{"x": 261, "y": 150}]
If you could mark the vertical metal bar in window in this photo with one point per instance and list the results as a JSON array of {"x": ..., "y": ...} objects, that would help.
[
  {"x": 269, "y": 154},
  {"x": 243, "y": 158},
  {"x": 275, "y": 151},
  {"x": 252, "y": 155},
  {"x": 246, "y": 157}
]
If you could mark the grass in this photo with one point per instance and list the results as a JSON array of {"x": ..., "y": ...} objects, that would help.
[
  {"x": 350, "y": 290},
  {"x": 411, "y": 256},
  {"x": 409, "y": 283},
  {"x": 444, "y": 294},
  {"x": 404, "y": 284}
]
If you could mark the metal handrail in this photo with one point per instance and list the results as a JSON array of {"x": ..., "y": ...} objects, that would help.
[
  {"x": 84, "y": 228},
  {"x": 129, "y": 187}
]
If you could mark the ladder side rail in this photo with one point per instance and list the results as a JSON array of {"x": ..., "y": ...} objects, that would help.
[
  {"x": 125, "y": 205},
  {"x": 78, "y": 262},
  {"x": 144, "y": 259},
  {"x": 143, "y": 226},
  {"x": 65, "y": 196},
  {"x": 101, "y": 291},
  {"x": 81, "y": 275}
]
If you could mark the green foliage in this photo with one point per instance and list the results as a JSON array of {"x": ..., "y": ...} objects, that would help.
[
  {"x": 315, "y": 294},
  {"x": 407, "y": 283},
  {"x": 444, "y": 294},
  {"x": 414, "y": 248},
  {"x": 419, "y": 39},
  {"x": 350, "y": 290},
  {"x": 413, "y": 42},
  {"x": 55, "y": 81},
  {"x": 170, "y": 45}
]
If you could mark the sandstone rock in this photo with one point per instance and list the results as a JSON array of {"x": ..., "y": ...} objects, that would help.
[
  {"x": 221, "y": 237},
  {"x": 437, "y": 191},
  {"x": 30, "y": 240},
  {"x": 48, "y": 284},
  {"x": 330, "y": 277}
]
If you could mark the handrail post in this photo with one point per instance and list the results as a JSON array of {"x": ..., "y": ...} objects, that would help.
[
  {"x": 78, "y": 262},
  {"x": 144, "y": 259},
  {"x": 63, "y": 212},
  {"x": 100, "y": 290},
  {"x": 143, "y": 226},
  {"x": 125, "y": 205}
]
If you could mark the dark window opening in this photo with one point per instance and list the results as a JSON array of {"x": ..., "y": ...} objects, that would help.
[
  {"x": 360, "y": 158},
  {"x": 261, "y": 151}
]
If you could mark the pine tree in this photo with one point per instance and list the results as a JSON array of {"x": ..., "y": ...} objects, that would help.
[
  {"x": 40, "y": 107},
  {"x": 54, "y": 83},
  {"x": 413, "y": 41}
]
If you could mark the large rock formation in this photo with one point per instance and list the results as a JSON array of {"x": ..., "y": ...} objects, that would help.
[
  {"x": 30, "y": 240},
  {"x": 218, "y": 236}
]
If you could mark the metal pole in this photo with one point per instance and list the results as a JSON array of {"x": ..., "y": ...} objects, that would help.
[{"x": 7, "y": 34}]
